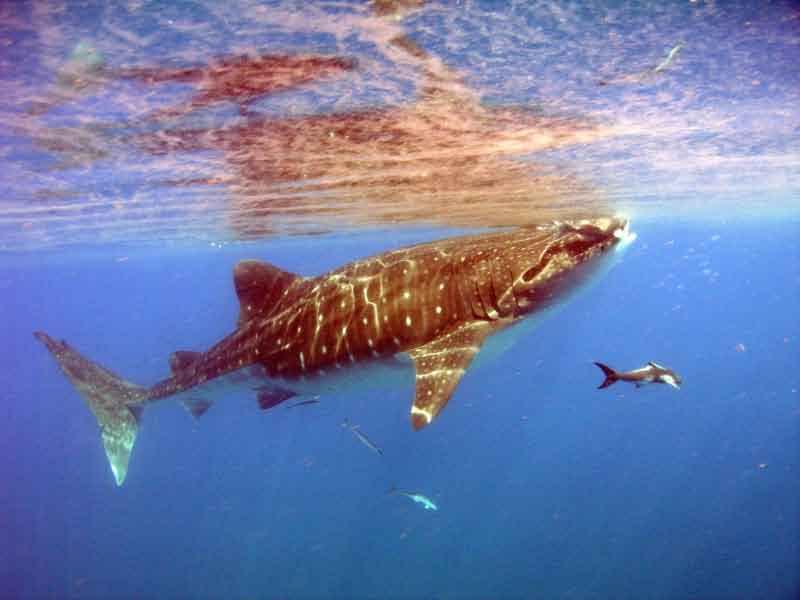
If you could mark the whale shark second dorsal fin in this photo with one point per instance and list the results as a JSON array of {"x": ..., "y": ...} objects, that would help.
[{"x": 259, "y": 285}]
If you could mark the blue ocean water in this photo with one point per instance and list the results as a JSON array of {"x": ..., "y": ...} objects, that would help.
[{"x": 546, "y": 486}]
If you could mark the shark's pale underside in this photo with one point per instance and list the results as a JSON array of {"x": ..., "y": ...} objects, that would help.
[{"x": 435, "y": 303}]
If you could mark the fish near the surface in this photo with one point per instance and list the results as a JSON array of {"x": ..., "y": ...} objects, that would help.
[
  {"x": 432, "y": 305},
  {"x": 651, "y": 373},
  {"x": 668, "y": 59},
  {"x": 649, "y": 74}
]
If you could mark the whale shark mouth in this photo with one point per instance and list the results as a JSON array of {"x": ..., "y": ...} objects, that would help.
[
  {"x": 580, "y": 242},
  {"x": 625, "y": 236}
]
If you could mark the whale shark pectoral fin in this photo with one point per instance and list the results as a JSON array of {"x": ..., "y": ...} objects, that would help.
[
  {"x": 440, "y": 364},
  {"x": 259, "y": 285}
]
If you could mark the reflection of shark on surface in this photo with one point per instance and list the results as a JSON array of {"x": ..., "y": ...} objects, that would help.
[
  {"x": 435, "y": 304},
  {"x": 652, "y": 373},
  {"x": 426, "y": 502},
  {"x": 241, "y": 78}
]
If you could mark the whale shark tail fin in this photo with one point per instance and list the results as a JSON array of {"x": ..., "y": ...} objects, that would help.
[
  {"x": 611, "y": 376},
  {"x": 116, "y": 404}
]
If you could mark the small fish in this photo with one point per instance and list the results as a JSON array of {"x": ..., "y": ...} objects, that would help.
[
  {"x": 362, "y": 437},
  {"x": 649, "y": 74},
  {"x": 652, "y": 373},
  {"x": 426, "y": 502},
  {"x": 314, "y": 400},
  {"x": 668, "y": 60}
]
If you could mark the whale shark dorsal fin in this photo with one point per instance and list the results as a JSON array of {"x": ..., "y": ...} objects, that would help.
[
  {"x": 440, "y": 364},
  {"x": 258, "y": 286},
  {"x": 655, "y": 365},
  {"x": 182, "y": 359}
]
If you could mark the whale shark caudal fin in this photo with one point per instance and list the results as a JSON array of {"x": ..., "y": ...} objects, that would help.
[
  {"x": 611, "y": 376},
  {"x": 117, "y": 404}
]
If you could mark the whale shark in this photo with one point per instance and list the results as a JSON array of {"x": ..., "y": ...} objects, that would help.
[{"x": 426, "y": 308}]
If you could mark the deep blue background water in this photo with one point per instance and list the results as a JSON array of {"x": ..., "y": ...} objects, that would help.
[{"x": 547, "y": 487}]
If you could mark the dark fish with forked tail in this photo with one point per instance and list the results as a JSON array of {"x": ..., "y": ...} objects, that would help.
[{"x": 652, "y": 373}]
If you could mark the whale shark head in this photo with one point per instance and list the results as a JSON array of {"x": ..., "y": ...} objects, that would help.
[{"x": 570, "y": 254}]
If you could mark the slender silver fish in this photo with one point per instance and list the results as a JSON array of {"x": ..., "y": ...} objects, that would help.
[
  {"x": 362, "y": 437},
  {"x": 668, "y": 60},
  {"x": 649, "y": 74},
  {"x": 314, "y": 400},
  {"x": 426, "y": 502}
]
